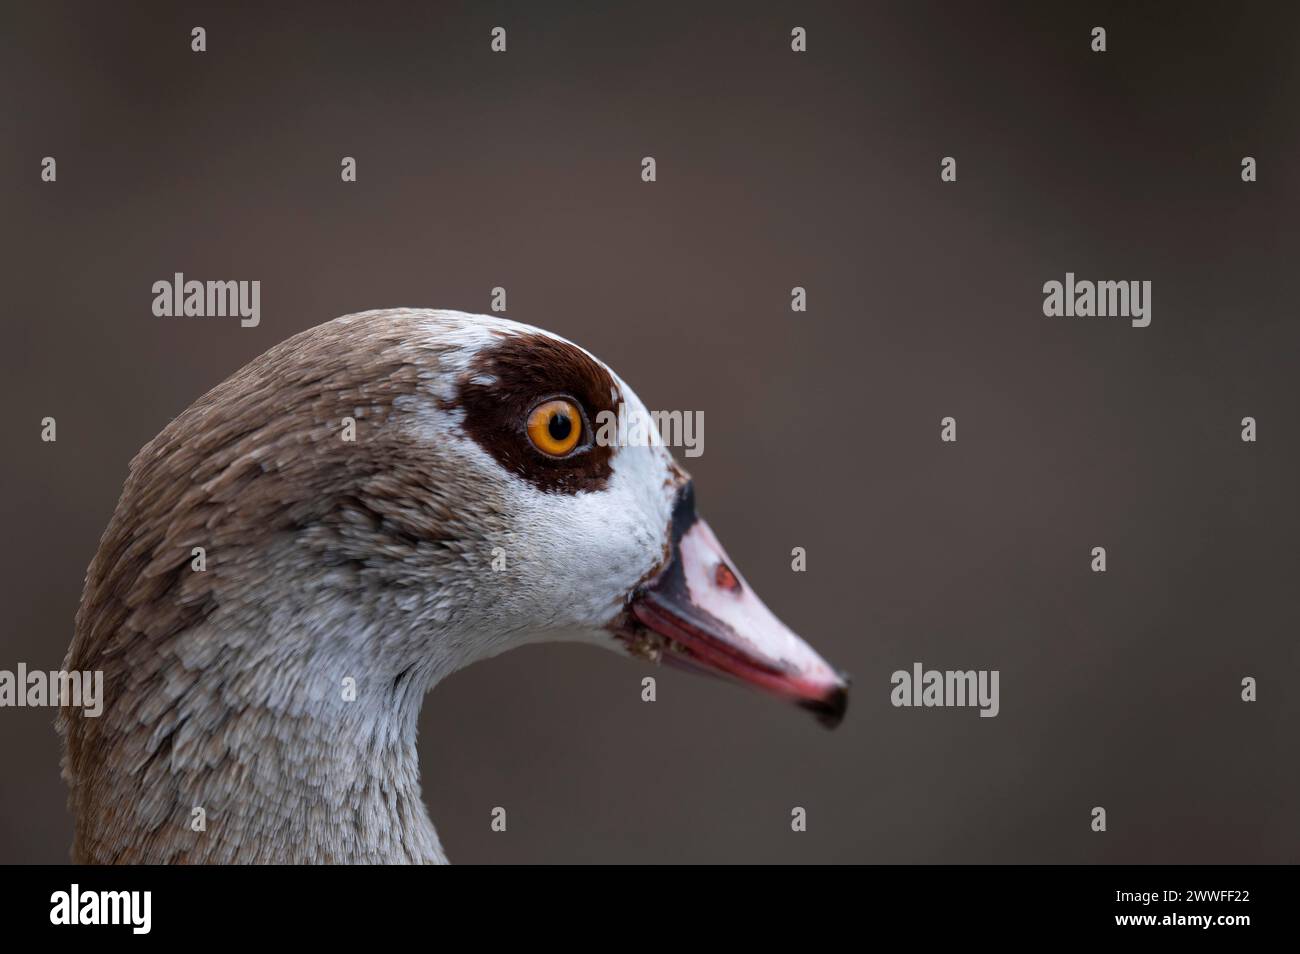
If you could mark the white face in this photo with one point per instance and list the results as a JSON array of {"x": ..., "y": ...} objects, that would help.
[
  {"x": 593, "y": 548},
  {"x": 571, "y": 559}
]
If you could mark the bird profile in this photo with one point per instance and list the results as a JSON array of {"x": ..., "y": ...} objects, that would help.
[{"x": 379, "y": 502}]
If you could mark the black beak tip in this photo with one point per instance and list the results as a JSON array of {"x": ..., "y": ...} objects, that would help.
[{"x": 830, "y": 710}]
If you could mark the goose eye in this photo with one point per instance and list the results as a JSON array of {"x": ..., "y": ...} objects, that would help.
[{"x": 555, "y": 427}]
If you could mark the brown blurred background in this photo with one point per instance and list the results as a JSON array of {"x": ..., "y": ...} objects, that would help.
[{"x": 822, "y": 429}]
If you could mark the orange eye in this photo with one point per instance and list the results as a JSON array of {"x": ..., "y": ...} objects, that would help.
[{"x": 555, "y": 427}]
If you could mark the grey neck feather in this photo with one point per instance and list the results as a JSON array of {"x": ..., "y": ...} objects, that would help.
[
  {"x": 323, "y": 768},
  {"x": 288, "y": 717}
]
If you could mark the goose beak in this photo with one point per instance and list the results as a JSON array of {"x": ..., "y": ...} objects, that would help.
[{"x": 698, "y": 613}]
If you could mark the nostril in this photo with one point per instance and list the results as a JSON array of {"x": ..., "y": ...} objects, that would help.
[{"x": 724, "y": 577}]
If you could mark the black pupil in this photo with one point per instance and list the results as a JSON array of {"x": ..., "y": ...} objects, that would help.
[{"x": 559, "y": 426}]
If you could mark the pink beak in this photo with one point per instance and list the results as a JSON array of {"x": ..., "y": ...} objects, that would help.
[{"x": 708, "y": 620}]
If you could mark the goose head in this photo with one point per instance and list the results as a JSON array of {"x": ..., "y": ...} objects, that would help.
[{"x": 377, "y": 502}]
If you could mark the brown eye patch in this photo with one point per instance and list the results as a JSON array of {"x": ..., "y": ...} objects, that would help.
[{"x": 505, "y": 383}]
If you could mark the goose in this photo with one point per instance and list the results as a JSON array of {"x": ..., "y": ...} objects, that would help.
[{"x": 274, "y": 596}]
